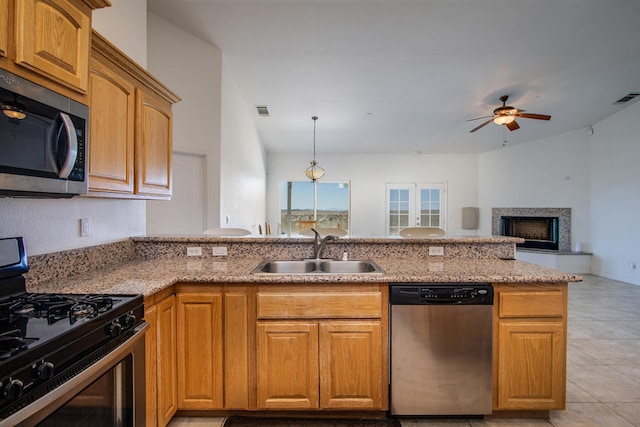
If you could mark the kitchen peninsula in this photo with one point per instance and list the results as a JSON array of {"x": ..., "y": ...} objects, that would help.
[{"x": 218, "y": 333}]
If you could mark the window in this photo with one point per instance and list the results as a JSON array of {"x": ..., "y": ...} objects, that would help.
[
  {"x": 413, "y": 205},
  {"x": 320, "y": 205}
]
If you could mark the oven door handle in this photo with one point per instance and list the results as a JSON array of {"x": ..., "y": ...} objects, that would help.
[{"x": 37, "y": 411}]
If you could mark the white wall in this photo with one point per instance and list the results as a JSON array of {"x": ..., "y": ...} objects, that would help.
[
  {"x": 243, "y": 171},
  {"x": 550, "y": 173},
  {"x": 369, "y": 174},
  {"x": 615, "y": 195},
  {"x": 125, "y": 25},
  {"x": 53, "y": 225},
  {"x": 193, "y": 70}
]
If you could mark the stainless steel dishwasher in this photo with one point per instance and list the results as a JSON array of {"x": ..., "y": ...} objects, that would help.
[{"x": 440, "y": 348}]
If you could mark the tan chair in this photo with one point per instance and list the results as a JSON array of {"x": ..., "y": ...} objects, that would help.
[
  {"x": 421, "y": 232},
  {"x": 306, "y": 224},
  {"x": 226, "y": 232},
  {"x": 324, "y": 232}
]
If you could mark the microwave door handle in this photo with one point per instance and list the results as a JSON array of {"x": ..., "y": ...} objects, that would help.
[{"x": 72, "y": 147}]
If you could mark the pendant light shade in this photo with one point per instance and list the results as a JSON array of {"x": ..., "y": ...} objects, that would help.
[{"x": 315, "y": 171}]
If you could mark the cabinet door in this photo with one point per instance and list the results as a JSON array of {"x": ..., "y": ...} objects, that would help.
[
  {"x": 112, "y": 104},
  {"x": 166, "y": 363},
  {"x": 532, "y": 365},
  {"x": 53, "y": 38},
  {"x": 236, "y": 349},
  {"x": 153, "y": 145},
  {"x": 200, "y": 355},
  {"x": 151, "y": 349},
  {"x": 287, "y": 363},
  {"x": 351, "y": 374},
  {"x": 4, "y": 27}
]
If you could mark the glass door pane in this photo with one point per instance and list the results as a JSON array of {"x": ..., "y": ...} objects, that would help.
[
  {"x": 399, "y": 209},
  {"x": 429, "y": 207}
]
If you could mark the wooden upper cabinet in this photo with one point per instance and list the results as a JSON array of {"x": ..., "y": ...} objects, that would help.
[
  {"x": 4, "y": 27},
  {"x": 153, "y": 145},
  {"x": 130, "y": 128},
  {"x": 48, "y": 42},
  {"x": 53, "y": 37},
  {"x": 112, "y": 105}
]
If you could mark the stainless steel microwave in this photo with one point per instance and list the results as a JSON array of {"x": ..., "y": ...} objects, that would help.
[{"x": 43, "y": 141}]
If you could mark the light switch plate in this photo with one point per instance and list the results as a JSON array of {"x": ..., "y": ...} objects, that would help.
[
  {"x": 436, "y": 250},
  {"x": 219, "y": 251},
  {"x": 194, "y": 251}
]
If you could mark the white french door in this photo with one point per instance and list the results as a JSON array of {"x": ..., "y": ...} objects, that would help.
[{"x": 415, "y": 205}]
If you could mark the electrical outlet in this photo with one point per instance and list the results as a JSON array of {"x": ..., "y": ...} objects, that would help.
[
  {"x": 194, "y": 251},
  {"x": 219, "y": 251},
  {"x": 84, "y": 227},
  {"x": 436, "y": 250}
]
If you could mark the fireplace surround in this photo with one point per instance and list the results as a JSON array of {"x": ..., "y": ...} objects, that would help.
[{"x": 542, "y": 228}]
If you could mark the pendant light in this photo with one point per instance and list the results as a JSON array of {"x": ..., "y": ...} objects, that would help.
[{"x": 314, "y": 172}]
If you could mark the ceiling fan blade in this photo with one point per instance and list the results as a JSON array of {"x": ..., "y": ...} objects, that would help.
[
  {"x": 533, "y": 116},
  {"x": 483, "y": 124},
  {"x": 512, "y": 126},
  {"x": 478, "y": 118}
]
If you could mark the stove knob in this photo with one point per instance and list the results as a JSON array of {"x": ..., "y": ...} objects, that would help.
[
  {"x": 13, "y": 390},
  {"x": 129, "y": 320},
  {"x": 114, "y": 329},
  {"x": 45, "y": 370}
]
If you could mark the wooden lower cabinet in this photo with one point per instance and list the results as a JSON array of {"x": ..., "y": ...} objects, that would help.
[
  {"x": 200, "y": 356},
  {"x": 151, "y": 357},
  {"x": 322, "y": 348},
  {"x": 530, "y": 344},
  {"x": 319, "y": 365},
  {"x": 238, "y": 347},
  {"x": 351, "y": 365},
  {"x": 288, "y": 368},
  {"x": 167, "y": 392}
]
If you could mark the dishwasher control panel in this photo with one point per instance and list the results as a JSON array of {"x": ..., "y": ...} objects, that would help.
[{"x": 441, "y": 293}]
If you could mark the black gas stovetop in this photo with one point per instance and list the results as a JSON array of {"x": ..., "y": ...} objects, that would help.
[{"x": 42, "y": 335}]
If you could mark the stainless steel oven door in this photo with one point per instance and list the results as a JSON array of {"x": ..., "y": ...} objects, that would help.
[{"x": 110, "y": 392}]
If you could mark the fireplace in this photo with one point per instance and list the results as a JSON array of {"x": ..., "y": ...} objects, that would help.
[
  {"x": 538, "y": 232},
  {"x": 542, "y": 228}
]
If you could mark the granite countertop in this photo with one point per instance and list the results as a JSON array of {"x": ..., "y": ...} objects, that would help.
[{"x": 149, "y": 276}]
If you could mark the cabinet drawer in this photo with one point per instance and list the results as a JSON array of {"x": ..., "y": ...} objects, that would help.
[
  {"x": 308, "y": 305},
  {"x": 543, "y": 303}
]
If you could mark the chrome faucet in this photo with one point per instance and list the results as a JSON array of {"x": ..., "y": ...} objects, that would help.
[{"x": 319, "y": 242}]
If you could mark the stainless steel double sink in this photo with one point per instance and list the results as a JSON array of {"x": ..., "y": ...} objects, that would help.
[{"x": 313, "y": 266}]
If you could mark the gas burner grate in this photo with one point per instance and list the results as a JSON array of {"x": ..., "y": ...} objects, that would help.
[
  {"x": 12, "y": 342},
  {"x": 54, "y": 307}
]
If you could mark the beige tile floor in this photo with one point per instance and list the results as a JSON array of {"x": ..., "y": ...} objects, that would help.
[{"x": 603, "y": 364}]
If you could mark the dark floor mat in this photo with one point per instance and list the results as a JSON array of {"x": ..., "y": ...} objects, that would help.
[{"x": 237, "y": 421}]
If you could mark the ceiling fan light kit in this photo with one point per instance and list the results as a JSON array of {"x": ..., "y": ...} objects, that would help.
[
  {"x": 506, "y": 115},
  {"x": 315, "y": 171},
  {"x": 503, "y": 120}
]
